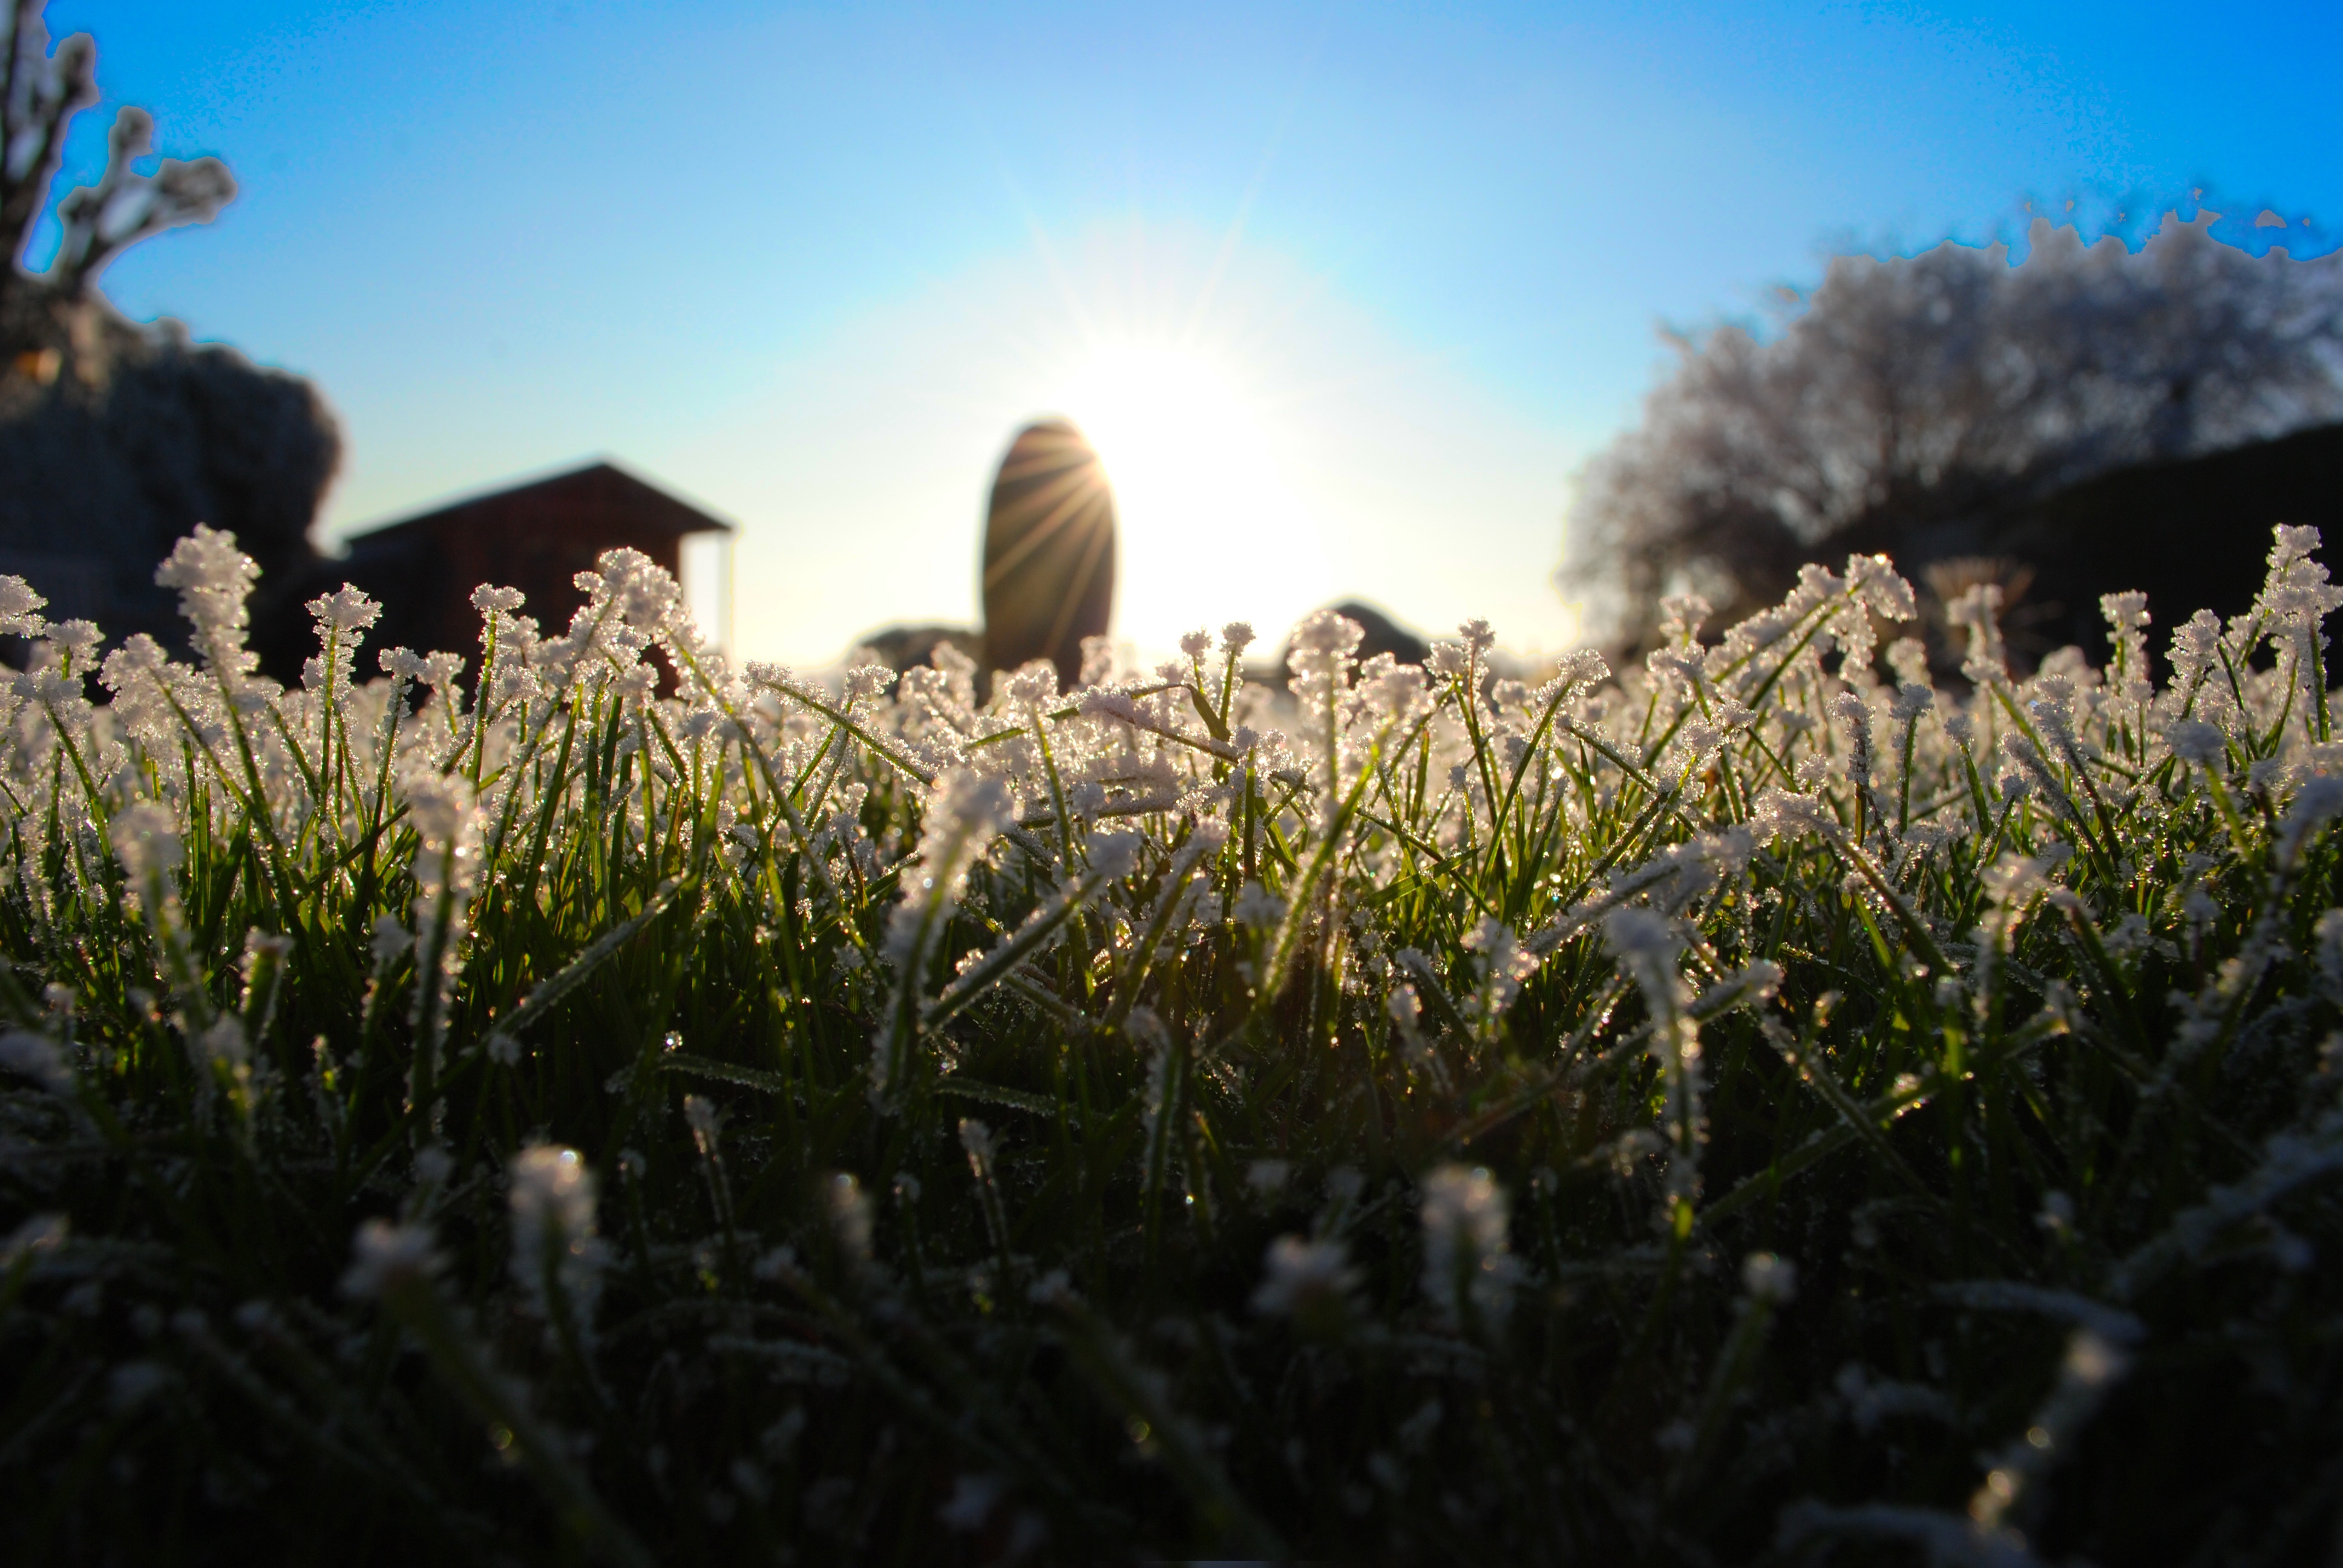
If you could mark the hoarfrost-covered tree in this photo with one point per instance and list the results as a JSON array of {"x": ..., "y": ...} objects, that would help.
[{"x": 1907, "y": 401}]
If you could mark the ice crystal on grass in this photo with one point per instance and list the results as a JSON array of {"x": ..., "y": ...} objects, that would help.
[
  {"x": 557, "y": 1257},
  {"x": 1469, "y": 1272},
  {"x": 37, "y": 1058},
  {"x": 385, "y": 1254},
  {"x": 1305, "y": 1279},
  {"x": 214, "y": 580}
]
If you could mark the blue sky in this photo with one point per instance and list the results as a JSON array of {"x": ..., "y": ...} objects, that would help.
[{"x": 1373, "y": 280}]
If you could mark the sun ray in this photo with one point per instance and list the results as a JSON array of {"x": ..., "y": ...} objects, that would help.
[{"x": 1230, "y": 241}]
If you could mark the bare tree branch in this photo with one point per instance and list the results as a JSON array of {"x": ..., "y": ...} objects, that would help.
[
  {"x": 40, "y": 94},
  {"x": 38, "y": 99},
  {"x": 125, "y": 207}
]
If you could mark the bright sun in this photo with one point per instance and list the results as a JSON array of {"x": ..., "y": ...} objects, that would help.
[{"x": 1210, "y": 527}]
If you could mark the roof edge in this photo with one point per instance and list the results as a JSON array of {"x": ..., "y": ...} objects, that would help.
[{"x": 718, "y": 522}]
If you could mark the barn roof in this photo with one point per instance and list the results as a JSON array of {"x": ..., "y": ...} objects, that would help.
[{"x": 601, "y": 488}]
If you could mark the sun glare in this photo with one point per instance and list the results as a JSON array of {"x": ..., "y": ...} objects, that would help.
[{"x": 1210, "y": 527}]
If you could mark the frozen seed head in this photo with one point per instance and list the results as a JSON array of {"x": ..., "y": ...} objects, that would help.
[
  {"x": 1328, "y": 635},
  {"x": 400, "y": 663},
  {"x": 1464, "y": 1225},
  {"x": 1770, "y": 1280},
  {"x": 1147, "y": 1030},
  {"x": 385, "y": 1255},
  {"x": 851, "y": 1218},
  {"x": 1267, "y": 1177},
  {"x": 131, "y": 1384},
  {"x": 1397, "y": 690},
  {"x": 433, "y": 1166},
  {"x": 1303, "y": 1278},
  {"x": 391, "y": 940},
  {"x": 2092, "y": 1361},
  {"x": 965, "y": 800},
  {"x": 206, "y": 563},
  {"x": 1682, "y": 615},
  {"x": 1466, "y": 1263},
  {"x": 640, "y": 590},
  {"x": 137, "y": 661},
  {"x": 344, "y": 609},
  {"x": 637, "y": 681},
  {"x": 2194, "y": 741},
  {"x": 1259, "y": 908},
  {"x": 50, "y": 686},
  {"x": 1697, "y": 743},
  {"x": 971, "y": 1502},
  {"x": 964, "y": 810},
  {"x": 1054, "y": 1288},
  {"x": 41, "y": 1234},
  {"x": 553, "y": 1228},
  {"x": 1114, "y": 854},
  {"x": 2125, "y": 612},
  {"x": 1102, "y": 702},
  {"x": 2328, "y": 934},
  {"x": 1236, "y": 637},
  {"x": 147, "y": 840},
  {"x": 976, "y": 1140},
  {"x": 1505, "y": 963},
  {"x": 1873, "y": 581},
  {"x": 36, "y": 1057},
  {"x": 2013, "y": 878},
  {"x": 490, "y": 600},
  {"x": 2057, "y": 1214},
  {"x": 1778, "y": 814},
  {"x": 265, "y": 948},
  {"x": 225, "y": 1041},
  {"x": 20, "y": 608},
  {"x": 80, "y": 638},
  {"x": 1584, "y": 668},
  {"x": 1196, "y": 644},
  {"x": 1030, "y": 685},
  {"x": 2315, "y": 804},
  {"x": 2291, "y": 543},
  {"x": 551, "y": 1186},
  {"x": 1637, "y": 934},
  {"x": 438, "y": 804}
]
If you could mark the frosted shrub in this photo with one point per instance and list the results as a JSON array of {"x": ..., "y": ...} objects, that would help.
[{"x": 1447, "y": 1113}]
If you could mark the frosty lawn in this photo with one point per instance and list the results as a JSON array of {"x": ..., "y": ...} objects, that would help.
[{"x": 1751, "y": 1108}]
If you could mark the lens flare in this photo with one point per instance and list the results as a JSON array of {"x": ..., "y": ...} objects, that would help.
[{"x": 1193, "y": 456}]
